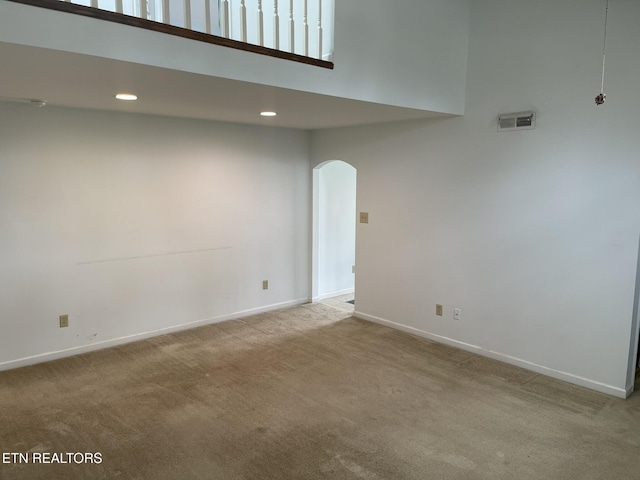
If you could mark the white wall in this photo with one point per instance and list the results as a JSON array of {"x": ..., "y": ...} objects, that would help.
[
  {"x": 132, "y": 223},
  {"x": 336, "y": 227},
  {"x": 534, "y": 234},
  {"x": 414, "y": 56}
]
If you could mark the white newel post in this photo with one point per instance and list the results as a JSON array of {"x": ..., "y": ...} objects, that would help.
[
  {"x": 320, "y": 29},
  {"x": 292, "y": 42},
  {"x": 260, "y": 24},
  {"x": 276, "y": 26}
]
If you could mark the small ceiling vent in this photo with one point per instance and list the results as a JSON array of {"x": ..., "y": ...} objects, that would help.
[{"x": 509, "y": 122}]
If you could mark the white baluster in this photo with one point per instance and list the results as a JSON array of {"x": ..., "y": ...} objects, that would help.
[
  {"x": 225, "y": 19},
  {"x": 119, "y": 8},
  {"x": 260, "y": 24},
  {"x": 320, "y": 29},
  {"x": 292, "y": 42},
  {"x": 165, "y": 12},
  {"x": 243, "y": 22},
  {"x": 207, "y": 16},
  {"x": 94, "y": 3},
  {"x": 306, "y": 30},
  {"x": 187, "y": 14},
  {"x": 276, "y": 26}
]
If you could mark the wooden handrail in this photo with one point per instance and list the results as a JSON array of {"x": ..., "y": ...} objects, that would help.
[{"x": 171, "y": 30}]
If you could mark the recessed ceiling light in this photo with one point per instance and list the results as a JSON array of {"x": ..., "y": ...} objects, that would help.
[
  {"x": 126, "y": 96},
  {"x": 268, "y": 114}
]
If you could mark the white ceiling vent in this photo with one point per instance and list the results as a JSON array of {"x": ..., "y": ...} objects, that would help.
[{"x": 509, "y": 122}]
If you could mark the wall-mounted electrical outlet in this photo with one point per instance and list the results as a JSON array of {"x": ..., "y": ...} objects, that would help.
[
  {"x": 353, "y": 269},
  {"x": 265, "y": 284},
  {"x": 364, "y": 217},
  {"x": 456, "y": 314},
  {"x": 64, "y": 320},
  {"x": 439, "y": 310}
]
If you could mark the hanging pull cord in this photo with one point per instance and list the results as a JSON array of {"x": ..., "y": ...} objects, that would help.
[{"x": 602, "y": 97}]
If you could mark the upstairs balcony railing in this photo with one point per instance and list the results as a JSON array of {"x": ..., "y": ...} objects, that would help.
[{"x": 300, "y": 30}]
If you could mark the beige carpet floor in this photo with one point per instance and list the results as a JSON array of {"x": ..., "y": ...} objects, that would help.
[
  {"x": 308, "y": 393},
  {"x": 341, "y": 302}
]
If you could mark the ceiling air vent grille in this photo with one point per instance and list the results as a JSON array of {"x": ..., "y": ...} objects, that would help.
[{"x": 509, "y": 122}]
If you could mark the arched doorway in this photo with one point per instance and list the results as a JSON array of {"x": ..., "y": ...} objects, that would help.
[{"x": 334, "y": 229}]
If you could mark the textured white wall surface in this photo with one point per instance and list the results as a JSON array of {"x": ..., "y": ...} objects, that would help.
[
  {"x": 532, "y": 234},
  {"x": 133, "y": 224}
]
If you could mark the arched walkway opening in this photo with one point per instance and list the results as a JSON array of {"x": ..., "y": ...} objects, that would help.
[{"x": 334, "y": 230}]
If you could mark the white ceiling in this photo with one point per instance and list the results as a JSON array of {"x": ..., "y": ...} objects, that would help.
[{"x": 82, "y": 81}]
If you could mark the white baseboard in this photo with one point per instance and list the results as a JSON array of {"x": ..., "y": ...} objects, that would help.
[
  {"x": 629, "y": 391},
  {"x": 49, "y": 356},
  {"x": 337, "y": 293},
  {"x": 567, "y": 377}
]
